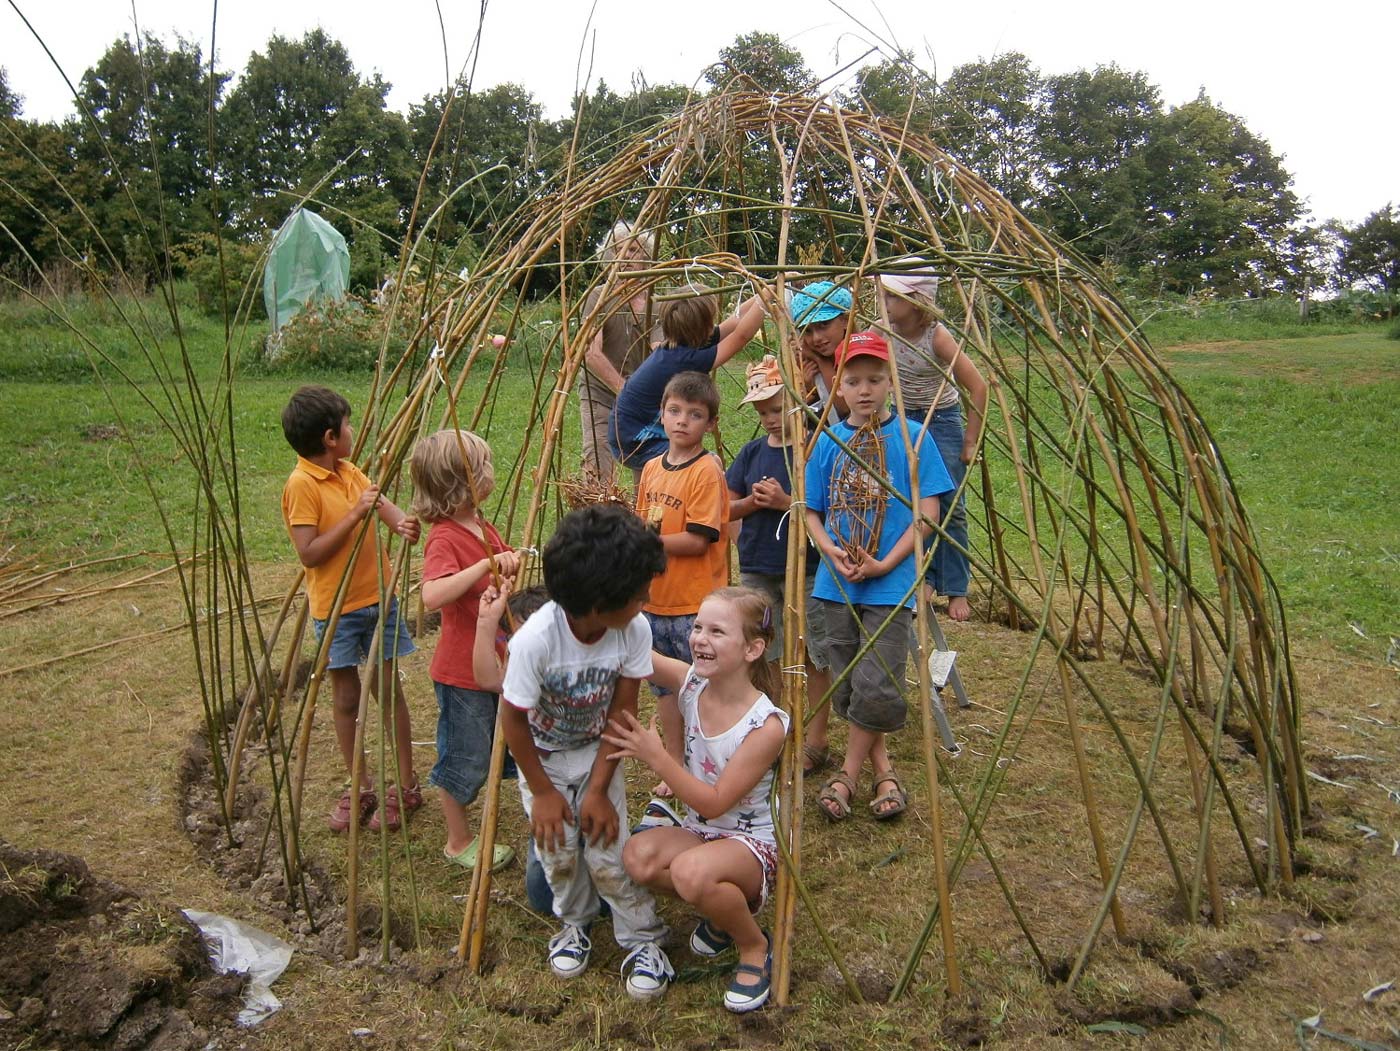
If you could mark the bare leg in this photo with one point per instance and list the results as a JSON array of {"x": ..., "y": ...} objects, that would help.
[
  {"x": 720, "y": 878},
  {"x": 459, "y": 830},
  {"x": 403, "y": 732},
  {"x": 345, "y": 698},
  {"x": 818, "y": 682},
  {"x": 648, "y": 855}
]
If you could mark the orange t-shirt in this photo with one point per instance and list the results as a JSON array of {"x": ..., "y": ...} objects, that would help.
[
  {"x": 687, "y": 498},
  {"x": 317, "y": 497}
]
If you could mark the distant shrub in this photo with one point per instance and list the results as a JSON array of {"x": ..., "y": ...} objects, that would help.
[
  {"x": 1394, "y": 331},
  {"x": 343, "y": 336},
  {"x": 242, "y": 269}
]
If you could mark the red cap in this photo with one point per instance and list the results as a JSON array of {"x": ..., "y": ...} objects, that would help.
[{"x": 867, "y": 344}]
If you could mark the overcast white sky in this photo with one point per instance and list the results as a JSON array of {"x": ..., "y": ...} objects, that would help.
[{"x": 1316, "y": 80}]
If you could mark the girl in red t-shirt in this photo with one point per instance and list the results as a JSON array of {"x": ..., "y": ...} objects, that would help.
[{"x": 452, "y": 475}]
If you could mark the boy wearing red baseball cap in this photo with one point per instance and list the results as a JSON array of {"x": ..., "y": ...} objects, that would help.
[{"x": 866, "y": 581}]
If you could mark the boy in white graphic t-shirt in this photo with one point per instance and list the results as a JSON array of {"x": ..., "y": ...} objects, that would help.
[{"x": 577, "y": 662}]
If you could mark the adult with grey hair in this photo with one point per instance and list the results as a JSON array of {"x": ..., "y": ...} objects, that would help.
[
  {"x": 934, "y": 373},
  {"x": 620, "y": 345}
]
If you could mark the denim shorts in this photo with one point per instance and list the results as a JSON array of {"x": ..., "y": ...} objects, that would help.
[
  {"x": 872, "y": 695},
  {"x": 465, "y": 728},
  {"x": 670, "y": 636},
  {"x": 772, "y": 584},
  {"x": 354, "y": 633}
]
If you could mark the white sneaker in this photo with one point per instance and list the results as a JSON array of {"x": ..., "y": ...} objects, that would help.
[
  {"x": 657, "y": 814},
  {"x": 568, "y": 952},
  {"x": 647, "y": 972}
]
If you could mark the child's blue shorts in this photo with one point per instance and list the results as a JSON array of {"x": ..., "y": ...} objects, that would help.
[
  {"x": 465, "y": 729},
  {"x": 670, "y": 636},
  {"x": 354, "y": 633}
]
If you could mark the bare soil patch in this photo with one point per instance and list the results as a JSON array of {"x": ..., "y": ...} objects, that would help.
[{"x": 85, "y": 963}]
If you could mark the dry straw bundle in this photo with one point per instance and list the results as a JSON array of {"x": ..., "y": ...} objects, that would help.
[{"x": 1109, "y": 524}]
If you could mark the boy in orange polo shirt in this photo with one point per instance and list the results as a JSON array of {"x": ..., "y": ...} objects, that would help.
[
  {"x": 683, "y": 495},
  {"x": 323, "y": 503}
]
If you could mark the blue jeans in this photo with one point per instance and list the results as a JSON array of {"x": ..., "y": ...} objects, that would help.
[
  {"x": 354, "y": 634},
  {"x": 949, "y": 572},
  {"x": 670, "y": 637},
  {"x": 465, "y": 728}
]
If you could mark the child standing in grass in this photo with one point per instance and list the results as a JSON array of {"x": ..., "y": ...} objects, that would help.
[
  {"x": 760, "y": 495},
  {"x": 933, "y": 370},
  {"x": 723, "y": 859},
  {"x": 682, "y": 494},
  {"x": 324, "y": 504},
  {"x": 865, "y": 588},
  {"x": 575, "y": 664},
  {"x": 452, "y": 474},
  {"x": 692, "y": 344}
]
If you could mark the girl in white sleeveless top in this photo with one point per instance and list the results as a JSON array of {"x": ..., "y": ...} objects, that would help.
[{"x": 723, "y": 858}]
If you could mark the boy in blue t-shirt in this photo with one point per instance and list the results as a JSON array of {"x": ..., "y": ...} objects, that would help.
[
  {"x": 878, "y": 585},
  {"x": 692, "y": 343},
  {"x": 760, "y": 494}
]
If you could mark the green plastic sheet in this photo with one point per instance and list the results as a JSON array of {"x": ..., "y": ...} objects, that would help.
[{"x": 308, "y": 261}]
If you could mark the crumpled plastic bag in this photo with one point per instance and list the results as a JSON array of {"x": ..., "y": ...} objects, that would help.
[{"x": 238, "y": 947}]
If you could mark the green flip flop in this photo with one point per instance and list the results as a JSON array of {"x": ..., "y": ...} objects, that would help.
[{"x": 501, "y": 856}]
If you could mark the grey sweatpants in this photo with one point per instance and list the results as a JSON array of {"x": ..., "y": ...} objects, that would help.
[{"x": 580, "y": 872}]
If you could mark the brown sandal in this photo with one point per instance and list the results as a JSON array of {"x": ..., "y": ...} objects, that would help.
[
  {"x": 879, "y": 806},
  {"x": 815, "y": 759},
  {"x": 840, "y": 807}
]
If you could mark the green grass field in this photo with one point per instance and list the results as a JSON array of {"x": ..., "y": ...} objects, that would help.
[{"x": 1306, "y": 425}]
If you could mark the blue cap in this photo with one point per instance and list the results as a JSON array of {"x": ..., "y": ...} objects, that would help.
[{"x": 820, "y": 301}]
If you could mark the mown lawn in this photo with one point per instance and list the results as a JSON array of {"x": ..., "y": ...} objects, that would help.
[{"x": 1306, "y": 425}]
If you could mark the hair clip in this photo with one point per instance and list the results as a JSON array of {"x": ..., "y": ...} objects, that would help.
[{"x": 767, "y": 623}]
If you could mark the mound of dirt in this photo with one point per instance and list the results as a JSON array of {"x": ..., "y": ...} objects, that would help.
[{"x": 85, "y": 963}]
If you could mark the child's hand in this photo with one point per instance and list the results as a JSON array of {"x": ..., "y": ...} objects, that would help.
[
  {"x": 768, "y": 493},
  {"x": 969, "y": 448},
  {"x": 868, "y": 566},
  {"x": 507, "y": 563},
  {"x": 845, "y": 565},
  {"x": 635, "y": 741},
  {"x": 492, "y": 605},
  {"x": 365, "y": 504},
  {"x": 548, "y": 816},
  {"x": 408, "y": 528},
  {"x": 597, "y": 818}
]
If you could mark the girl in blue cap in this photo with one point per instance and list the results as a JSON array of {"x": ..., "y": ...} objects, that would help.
[{"x": 821, "y": 312}]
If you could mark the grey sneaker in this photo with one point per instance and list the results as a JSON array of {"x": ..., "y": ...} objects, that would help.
[
  {"x": 568, "y": 952},
  {"x": 647, "y": 972}
]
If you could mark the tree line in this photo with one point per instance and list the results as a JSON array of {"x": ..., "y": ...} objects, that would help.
[{"x": 163, "y": 152}]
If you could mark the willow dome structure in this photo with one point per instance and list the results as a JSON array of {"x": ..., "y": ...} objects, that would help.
[{"x": 1106, "y": 529}]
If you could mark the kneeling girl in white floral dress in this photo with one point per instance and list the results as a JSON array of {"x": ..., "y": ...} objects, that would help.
[{"x": 723, "y": 858}]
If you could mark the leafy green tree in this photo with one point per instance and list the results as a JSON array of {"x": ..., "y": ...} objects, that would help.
[
  {"x": 284, "y": 102},
  {"x": 990, "y": 115},
  {"x": 762, "y": 62},
  {"x": 144, "y": 135},
  {"x": 492, "y": 152},
  {"x": 1371, "y": 251},
  {"x": 39, "y": 224},
  {"x": 360, "y": 174},
  {"x": 1092, "y": 131},
  {"x": 1218, "y": 204},
  {"x": 10, "y": 104},
  {"x": 898, "y": 89}
]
